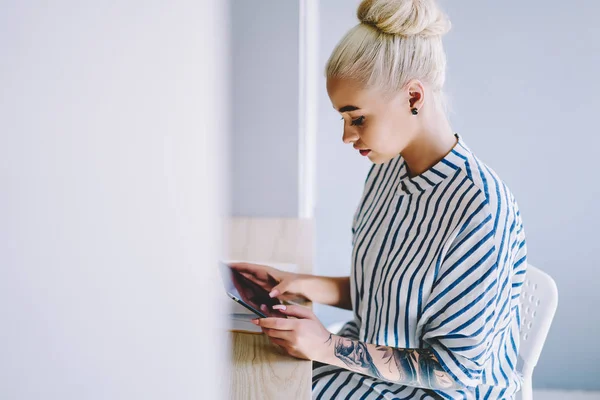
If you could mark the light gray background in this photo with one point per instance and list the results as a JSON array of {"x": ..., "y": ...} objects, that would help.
[
  {"x": 108, "y": 183},
  {"x": 523, "y": 81},
  {"x": 264, "y": 149}
]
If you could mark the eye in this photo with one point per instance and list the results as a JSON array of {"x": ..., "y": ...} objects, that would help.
[{"x": 358, "y": 121}]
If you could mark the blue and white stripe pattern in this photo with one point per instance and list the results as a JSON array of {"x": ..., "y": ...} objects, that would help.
[{"x": 438, "y": 262}]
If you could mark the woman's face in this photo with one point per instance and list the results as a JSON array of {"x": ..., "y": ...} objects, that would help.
[{"x": 378, "y": 126}]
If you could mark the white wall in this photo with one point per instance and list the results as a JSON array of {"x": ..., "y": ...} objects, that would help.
[
  {"x": 523, "y": 80},
  {"x": 108, "y": 199},
  {"x": 525, "y": 90},
  {"x": 265, "y": 91}
]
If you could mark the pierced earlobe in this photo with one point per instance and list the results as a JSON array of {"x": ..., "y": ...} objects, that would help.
[{"x": 414, "y": 111}]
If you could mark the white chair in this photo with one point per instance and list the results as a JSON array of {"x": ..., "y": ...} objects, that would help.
[{"x": 539, "y": 299}]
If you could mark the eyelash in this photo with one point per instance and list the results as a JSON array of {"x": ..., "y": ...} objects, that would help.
[{"x": 358, "y": 121}]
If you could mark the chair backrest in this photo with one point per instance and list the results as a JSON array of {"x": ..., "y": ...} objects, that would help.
[{"x": 539, "y": 299}]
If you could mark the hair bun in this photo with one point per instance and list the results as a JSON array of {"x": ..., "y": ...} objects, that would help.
[{"x": 404, "y": 17}]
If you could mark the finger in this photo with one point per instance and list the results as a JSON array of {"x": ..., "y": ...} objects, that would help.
[
  {"x": 281, "y": 324},
  {"x": 246, "y": 267},
  {"x": 283, "y": 335},
  {"x": 255, "y": 275},
  {"x": 277, "y": 291},
  {"x": 248, "y": 274},
  {"x": 296, "y": 311},
  {"x": 243, "y": 267},
  {"x": 260, "y": 282},
  {"x": 250, "y": 266},
  {"x": 258, "y": 271},
  {"x": 282, "y": 288},
  {"x": 279, "y": 342}
]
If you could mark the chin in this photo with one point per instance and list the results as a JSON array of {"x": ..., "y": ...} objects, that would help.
[{"x": 377, "y": 158}]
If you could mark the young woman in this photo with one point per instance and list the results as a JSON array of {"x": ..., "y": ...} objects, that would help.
[{"x": 439, "y": 250}]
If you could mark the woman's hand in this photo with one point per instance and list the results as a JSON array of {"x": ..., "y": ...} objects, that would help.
[
  {"x": 304, "y": 337},
  {"x": 280, "y": 284}
]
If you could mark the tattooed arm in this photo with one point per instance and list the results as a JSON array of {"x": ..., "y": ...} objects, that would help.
[{"x": 410, "y": 367}]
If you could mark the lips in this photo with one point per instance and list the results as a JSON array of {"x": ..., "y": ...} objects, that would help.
[{"x": 364, "y": 152}]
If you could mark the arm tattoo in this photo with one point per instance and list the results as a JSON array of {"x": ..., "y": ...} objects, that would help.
[
  {"x": 417, "y": 367},
  {"x": 410, "y": 367},
  {"x": 432, "y": 372},
  {"x": 355, "y": 355},
  {"x": 405, "y": 363}
]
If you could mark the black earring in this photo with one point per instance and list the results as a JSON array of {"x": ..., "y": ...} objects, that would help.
[{"x": 414, "y": 111}]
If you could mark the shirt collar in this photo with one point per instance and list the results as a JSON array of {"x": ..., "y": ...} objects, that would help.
[{"x": 445, "y": 168}]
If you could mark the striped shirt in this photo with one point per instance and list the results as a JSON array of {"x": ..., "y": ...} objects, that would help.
[{"x": 438, "y": 262}]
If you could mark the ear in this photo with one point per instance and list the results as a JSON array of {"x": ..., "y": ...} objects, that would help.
[{"x": 416, "y": 93}]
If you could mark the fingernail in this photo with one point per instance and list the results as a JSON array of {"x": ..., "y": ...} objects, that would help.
[
  {"x": 255, "y": 321},
  {"x": 273, "y": 293},
  {"x": 279, "y": 307}
]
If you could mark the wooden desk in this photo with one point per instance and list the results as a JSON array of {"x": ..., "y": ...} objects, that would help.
[{"x": 258, "y": 369}]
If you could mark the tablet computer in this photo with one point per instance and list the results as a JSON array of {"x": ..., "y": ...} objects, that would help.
[{"x": 249, "y": 294}]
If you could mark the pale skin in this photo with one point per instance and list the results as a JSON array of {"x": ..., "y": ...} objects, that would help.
[
  {"x": 384, "y": 123},
  {"x": 383, "y": 126},
  {"x": 305, "y": 337}
]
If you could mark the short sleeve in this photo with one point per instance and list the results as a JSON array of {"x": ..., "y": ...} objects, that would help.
[{"x": 459, "y": 317}]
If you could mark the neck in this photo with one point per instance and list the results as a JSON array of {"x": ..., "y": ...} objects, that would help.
[{"x": 431, "y": 144}]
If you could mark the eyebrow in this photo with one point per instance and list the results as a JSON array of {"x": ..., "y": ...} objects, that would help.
[{"x": 348, "y": 108}]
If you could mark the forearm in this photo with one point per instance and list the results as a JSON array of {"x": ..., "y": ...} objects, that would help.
[
  {"x": 410, "y": 367},
  {"x": 332, "y": 291}
]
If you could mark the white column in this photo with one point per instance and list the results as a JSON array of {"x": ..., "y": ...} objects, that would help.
[
  {"x": 308, "y": 105},
  {"x": 112, "y": 116}
]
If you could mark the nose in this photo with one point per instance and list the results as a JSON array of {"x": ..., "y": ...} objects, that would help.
[{"x": 349, "y": 136}]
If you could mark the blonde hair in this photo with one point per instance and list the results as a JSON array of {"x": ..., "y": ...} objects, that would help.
[{"x": 395, "y": 41}]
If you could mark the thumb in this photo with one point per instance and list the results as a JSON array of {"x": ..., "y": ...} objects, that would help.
[
  {"x": 281, "y": 288},
  {"x": 295, "y": 311}
]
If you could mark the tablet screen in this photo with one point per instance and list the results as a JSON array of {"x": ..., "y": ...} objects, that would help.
[{"x": 249, "y": 292}]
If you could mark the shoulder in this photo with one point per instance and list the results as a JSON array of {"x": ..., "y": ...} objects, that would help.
[
  {"x": 495, "y": 210},
  {"x": 490, "y": 189}
]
